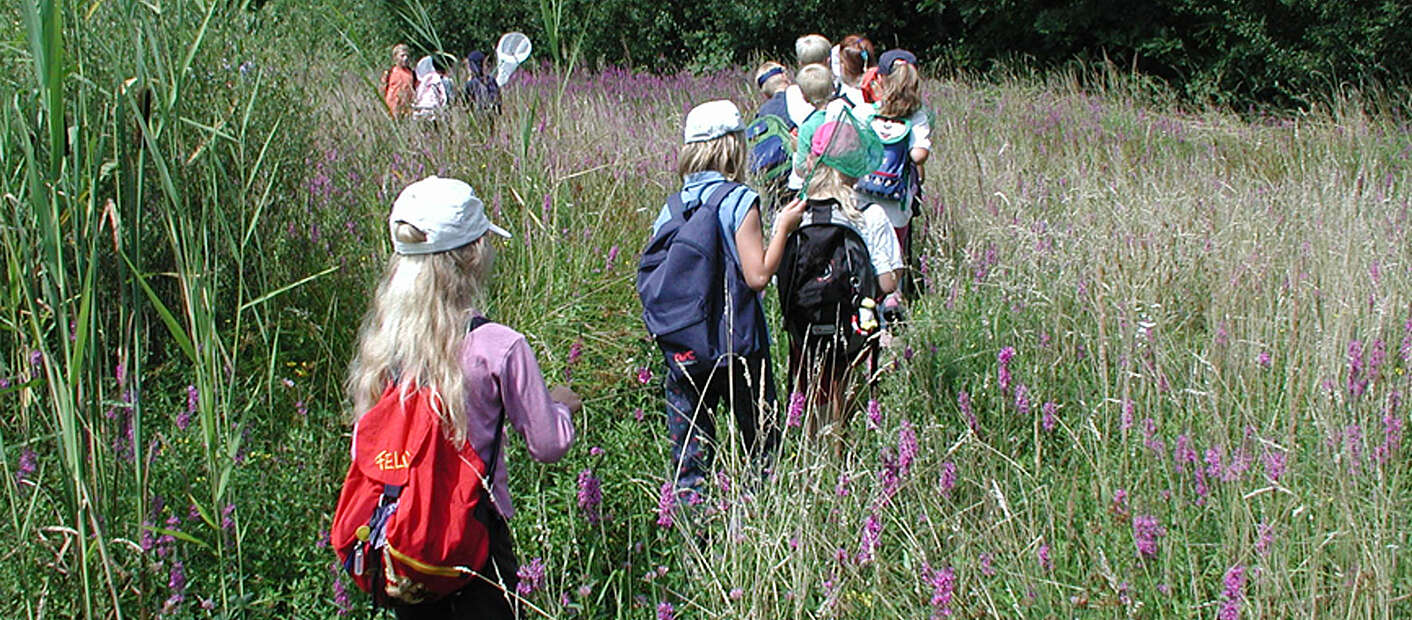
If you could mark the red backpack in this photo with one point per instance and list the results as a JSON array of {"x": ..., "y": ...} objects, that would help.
[{"x": 405, "y": 528}]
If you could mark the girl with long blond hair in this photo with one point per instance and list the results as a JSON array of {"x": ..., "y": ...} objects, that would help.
[{"x": 423, "y": 331}]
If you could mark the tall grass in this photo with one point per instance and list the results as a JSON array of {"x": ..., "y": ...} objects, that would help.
[{"x": 1158, "y": 370}]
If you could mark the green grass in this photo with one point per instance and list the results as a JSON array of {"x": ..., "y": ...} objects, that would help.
[{"x": 204, "y": 222}]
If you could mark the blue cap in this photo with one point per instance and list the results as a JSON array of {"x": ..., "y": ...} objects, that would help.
[{"x": 892, "y": 56}]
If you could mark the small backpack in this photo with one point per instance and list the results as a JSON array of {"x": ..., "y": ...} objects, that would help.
[
  {"x": 824, "y": 276},
  {"x": 893, "y": 178},
  {"x": 771, "y": 140},
  {"x": 695, "y": 300},
  {"x": 406, "y": 528}
]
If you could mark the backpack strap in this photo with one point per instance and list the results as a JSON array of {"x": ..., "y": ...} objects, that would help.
[{"x": 821, "y": 212}]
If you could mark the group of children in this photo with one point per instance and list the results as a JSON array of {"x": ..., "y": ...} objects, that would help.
[
  {"x": 838, "y": 232},
  {"x": 426, "y": 90}
]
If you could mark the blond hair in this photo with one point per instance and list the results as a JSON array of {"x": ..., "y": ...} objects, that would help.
[
  {"x": 898, "y": 91},
  {"x": 725, "y": 155},
  {"x": 816, "y": 83},
  {"x": 826, "y": 183},
  {"x": 414, "y": 331},
  {"x": 400, "y": 47},
  {"x": 811, "y": 48},
  {"x": 777, "y": 82}
]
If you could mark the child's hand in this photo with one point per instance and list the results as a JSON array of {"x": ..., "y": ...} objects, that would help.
[
  {"x": 789, "y": 217},
  {"x": 562, "y": 394}
]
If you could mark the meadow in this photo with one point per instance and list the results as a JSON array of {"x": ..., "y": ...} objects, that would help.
[{"x": 1158, "y": 368}]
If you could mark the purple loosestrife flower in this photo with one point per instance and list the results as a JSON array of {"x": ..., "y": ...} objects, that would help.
[
  {"x": 1263, "y": 360},
  {"x": 665, "y": 503},
  {"x": 1264, "y": 536},
  {"x": 874, "y": 414},
  {"x": 665, "y": 611},
  {"x": 948, "y": 478},
  {"x": 644, "y": 375},
  {"x": 228, "y": 518},
  {"x": 36, "y": 357},
  {"x": 590, "y": 495},
  {"x": 1022, "y": 399},
  {"x": 1126, "y": 421},
  {"x": 1003, "y": 373},
  {"x": 1184, "y": 454},
  {"x": 1048, "y": 421},
  {"x": 796, "y": 410},
  {"x": 1353, "y": 439},
  {"x": 1042, "y": 555},
  {"x": 963, "y": 401},
  {"x": 29, "y": 461},
  {"x": 840, "y": 489},
  {"x": 612, "y": 256},
  {"x": 943, "y": 583},
  {"x": 1147, "y": 530},
  {"x": 1357, "y": 382},
  {"x": 1274, "y": 464},
  {"x": 1407, "y": 341},
  {"x": 906, "y": 447},
  {"x": 176, "y": 584},
  {"x": 868, "y": 539},
  {"x": 575, "y": 352},
  {"x": 531, "y": 577},
  {"x": 1233, "y": 582}
]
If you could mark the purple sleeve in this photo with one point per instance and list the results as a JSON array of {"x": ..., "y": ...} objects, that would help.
[{"x": 544, "y": 423}]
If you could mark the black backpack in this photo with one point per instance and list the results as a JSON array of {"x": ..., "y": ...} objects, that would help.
[
  {"x": 695, "y": 300},
  {"x": 823, "y": 277}
]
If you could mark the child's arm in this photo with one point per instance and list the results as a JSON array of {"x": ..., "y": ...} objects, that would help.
[
  {"x": 758, "y": 262},
  {"x": 530, "y": 408}
]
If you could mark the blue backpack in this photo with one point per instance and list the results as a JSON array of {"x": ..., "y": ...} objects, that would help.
[
  {"x": 771, "y": 139},
  {"x": 695, "y": 300},
  {"x": 893, "y": 179}
]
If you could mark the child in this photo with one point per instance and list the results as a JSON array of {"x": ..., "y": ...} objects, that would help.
[
  {"x": 898, "y": 117},
  {"x": 481, "y": 91},
  {"x": 837, "y": 152},
  {"x": 712, "y": 155},
  {"x": 856, "y": 55},
  {"x": 416, "y": 334},
  {"x": 816, "y": 85},
  {"x": 771, "y": 134},
  {"x": 808, "y": 49},
  {"x": 430, "y": 97},
  {"x": 399, "y": 84}
]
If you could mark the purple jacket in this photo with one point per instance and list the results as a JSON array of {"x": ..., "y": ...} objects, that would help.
[{"x": 501, "y": 373}]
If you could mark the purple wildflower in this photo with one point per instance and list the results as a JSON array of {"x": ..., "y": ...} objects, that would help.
[
  {"x": 1264, "y": 536},
  {"x": 737, "y": 593},
  {"x": 590, "y": 495},
  {"x": 874, "y": 414},
  {"x": 301, "y": 408},
  {"x": 612, "y": 256},
  {"x": 986, "y": 560},
  {"x": 228, "y": 518},
  {"x": 1184, "y": 454},
  {"x": 1048, "y": 421},
  {"x": 1022, "y": 399},
  {"x": 1274, "y": 464},
  {"x": 1006, "y": 354},
  {"x": 1147, "y": 530},
  {"x": 665, "y": 611},
  {"x": 1126, "y": 421},
  {"x": 176, "y": 584},
  {"x": 644, "y": 375},
  {"x": 963, "y": 401},
  {"x": 906, "y": 447},
  {"x": 28, "y": 463},
  {"x": 575, "y": 352},
  {"x": 943, "y": 583},
  {"x": 36, "y": 357},
  {"x": 1263, "y": 360},
  {"x": 1357, "y": 382},
  {"x": 531, "y": 577},
  {"x": 796, "y": 410},
  {"x": 665, "y": 503},
  {"x": 638, "y": 414},
  {"x": 868, "y": 539},
  {"x": 1042, "y": 555},
  {"x": 1234, "y": 582},
  {"x": 948, "y": 478}
]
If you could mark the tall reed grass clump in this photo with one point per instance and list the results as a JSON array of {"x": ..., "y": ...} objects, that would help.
[{"x": 1157, "y": 368}]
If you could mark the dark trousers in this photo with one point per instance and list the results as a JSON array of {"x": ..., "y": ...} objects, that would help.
[
  {"x": 482, "y": 597},
  {"x": 748, "y": 388}
]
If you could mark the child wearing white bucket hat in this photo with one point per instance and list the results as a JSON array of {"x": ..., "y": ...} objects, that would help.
[{"x": 423, "y": 330}]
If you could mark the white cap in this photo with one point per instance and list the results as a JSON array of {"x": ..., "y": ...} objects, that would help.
[
  {"x": 712, "y": 120},
  {"x": 447, "y": 210}
]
